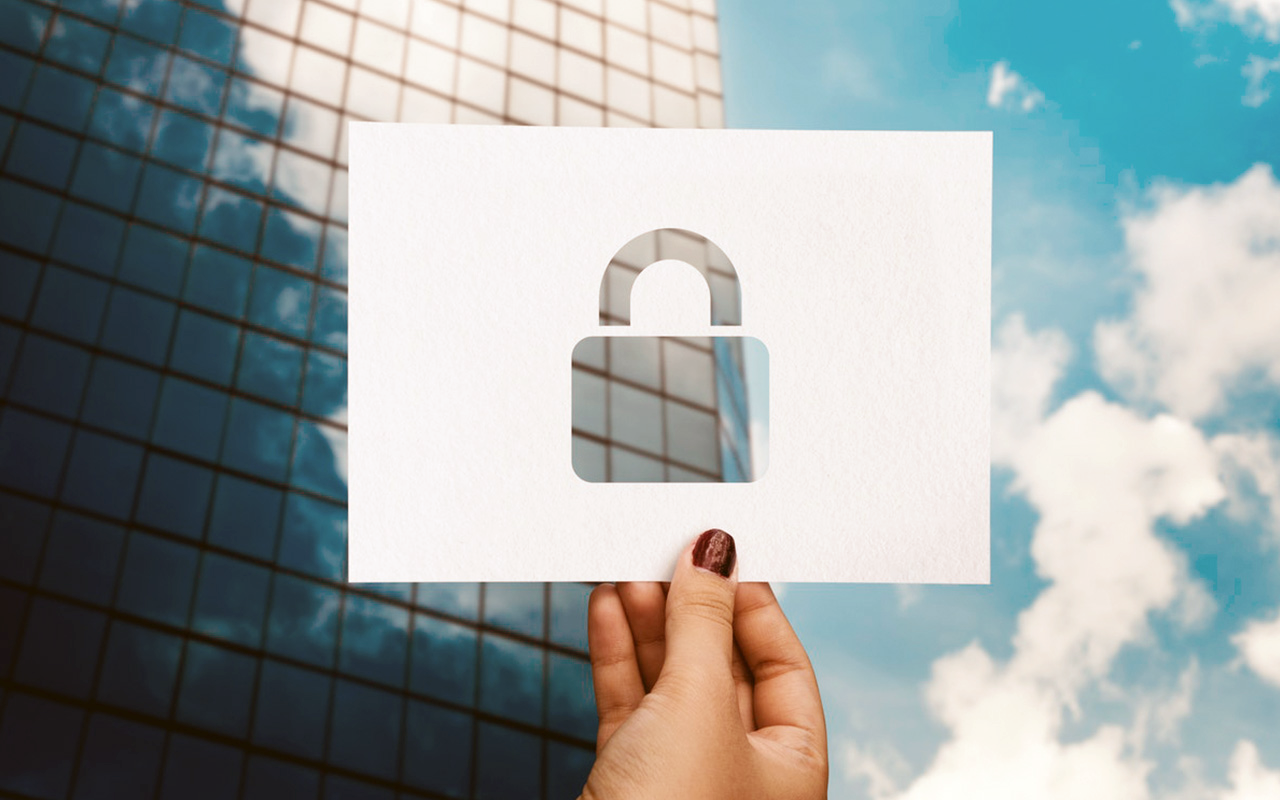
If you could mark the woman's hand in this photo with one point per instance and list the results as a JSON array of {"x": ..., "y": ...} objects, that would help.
[{"x": 703, "y": 690}]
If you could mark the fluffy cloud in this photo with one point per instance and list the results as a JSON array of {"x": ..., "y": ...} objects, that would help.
[
  {"x": 1256, "y": 73},
  {"x": 1250, "y": 779},
  {"x": 1010, "y": 90},
  {"x": 1255, "y": 17},
  {"x": 1205, "y": 318},
  {"x": 1024, "y": 368},
  {"x": 1101, "y": 476},
  {"x": 1259, "y": 645}
]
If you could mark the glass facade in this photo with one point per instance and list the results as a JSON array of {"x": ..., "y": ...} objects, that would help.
[{"x": 174, "y": 621}]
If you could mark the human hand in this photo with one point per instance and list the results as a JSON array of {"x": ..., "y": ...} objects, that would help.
[{"x": 703, "y": 691}]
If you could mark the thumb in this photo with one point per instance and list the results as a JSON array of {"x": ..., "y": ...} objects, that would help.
[{"x": 700, "y": 609}]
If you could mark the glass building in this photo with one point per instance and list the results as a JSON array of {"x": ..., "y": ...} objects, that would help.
[{"x": 174, "y": 621}]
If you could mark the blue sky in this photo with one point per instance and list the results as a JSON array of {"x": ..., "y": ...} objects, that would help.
[{"x": 1131, "y": 632}]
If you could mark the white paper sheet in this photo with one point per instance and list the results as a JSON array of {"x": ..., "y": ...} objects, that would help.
[{"x": 475, "y": 260}]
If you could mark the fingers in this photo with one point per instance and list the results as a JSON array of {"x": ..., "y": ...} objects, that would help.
[
  {"x": 744, "y": 689},
  {"x": 699, "y": 611},
  {"x": 645, "y": 604},
  {"x": 614, "y": 670},
  {"x": 786, "y": 691}
]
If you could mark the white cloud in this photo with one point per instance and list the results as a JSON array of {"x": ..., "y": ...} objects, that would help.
[
  {"x": 1260, "y": 18},
  {"x": 1205, "y": 318},
  {"x": 1250, "y": 466},
  {"x": 1024, "y": 369},
  {"x": 1250, "y": 779},
  {"x": 877, "y": 768},
  {"x": 1256, "y": 74},
  {"x": 1100, "y": 476},
  {"x": 1008, "y": 89},
  {"x": 1259, "y": 645}
]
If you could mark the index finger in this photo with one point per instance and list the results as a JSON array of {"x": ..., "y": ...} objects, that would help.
[{"x": 786, "y": 690}]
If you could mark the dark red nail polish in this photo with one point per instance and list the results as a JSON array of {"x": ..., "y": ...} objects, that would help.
[{"x": 714, "y": 551}]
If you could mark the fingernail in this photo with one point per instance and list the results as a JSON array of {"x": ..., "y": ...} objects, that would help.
[{"x": 714, "y": 552}]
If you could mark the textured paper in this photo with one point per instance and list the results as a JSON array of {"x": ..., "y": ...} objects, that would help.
[{"x": 475, "y": 261}]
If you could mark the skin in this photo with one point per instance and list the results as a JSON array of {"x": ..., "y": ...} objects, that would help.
[{"x": 703, "y": 692}]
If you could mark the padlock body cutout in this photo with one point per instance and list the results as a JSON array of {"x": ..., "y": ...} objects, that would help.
[{"x": 669, "y": 409}]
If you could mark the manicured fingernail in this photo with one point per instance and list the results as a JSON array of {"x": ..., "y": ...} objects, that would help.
[{"x": 714, "y": 552}]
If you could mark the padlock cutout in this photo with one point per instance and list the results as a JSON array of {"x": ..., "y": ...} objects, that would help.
[{"x": 668, "y": 408}]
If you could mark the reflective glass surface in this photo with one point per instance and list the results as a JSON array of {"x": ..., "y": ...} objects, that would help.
[{"x": 174, "y": 616}]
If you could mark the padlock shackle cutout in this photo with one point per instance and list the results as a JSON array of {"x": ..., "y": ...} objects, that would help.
[{"x": 671, "y": 244}]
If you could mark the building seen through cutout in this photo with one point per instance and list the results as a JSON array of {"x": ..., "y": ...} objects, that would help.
[{"x": 174, "y": 620}]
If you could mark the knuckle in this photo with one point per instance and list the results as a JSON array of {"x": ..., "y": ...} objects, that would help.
[{"x": 711, "y": 606}]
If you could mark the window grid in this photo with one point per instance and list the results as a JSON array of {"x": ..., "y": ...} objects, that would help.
[{"x": 161, "y": 96}]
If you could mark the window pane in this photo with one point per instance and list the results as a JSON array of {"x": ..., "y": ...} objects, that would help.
[
  {"x": 245, "y": 516},
  {"x": 168, "y": 198},
  {"x": 304, "y": 620},
  {"x": 292, "y": 708},
  {"x": 314, "y": 538},
  {"x": 190, "y": 418},
  {"x": 102, "y": 474},
  {"x": 254, "y": 106},
  {"x": 70, "y": 304},
  {"x": 301, "y": 181},
  {"x": 459, "y": 599},
  {"x": 182, "y": 140},
  {"x": 24, "y": 523},
  {"x": 374, "y": 640},
  {"x": 231, "y": 219},
  {"x": 569, "y": 614},
  {"x": 121, "y": 397},
  {"x": 195, "y": 86},
  {"x": 175, "y": 495},
  {"x": 60, "y": 647},
  {"x": 32, "y": 450},
  {"x": 509, "y": 762},
  {"x": 29, "y": 216},
  {"x": 635, "y": 358},
  {"x": 291, "y": 239},
  {"x": 514, "y": 606},
  {"x": 140, "y": 668},
  {"x": 138, "y": 325},
  {"x": 24, "y": 25},
  {"x": 207, "y": 36},
  {"x": 59, "y": 97},
  {"x": 511, "y": 678},
  {"x": 50, "y": 375},
  {"x": 20, "y": 275},
  {"x": 157, "y": 579},
  {"x": 567, "y": 768},
  {"x": 204, "y": 347},
  {"x": 242, "y": 161},
  {"x": 438, "y": 749},
  {"x": 230, "y": 599},
  {"x": 81, "y": 557},
  {"x": 588, "y": 403},
  {"x": 118, "y": 753},
  {"x": 217, "y": 686},
  {"x": 635, "y": 417},
  {"x": 88, "y": 238},
  {"x": 281, "y": 301},
  {"x": 42, "y": 155},
  {"x": 324, "y": 392},
  {"x": 571, "y": 700},
  {"x": 153, "y": 259},
  {"x": 37, "y": 745},
  {"x": 320, "y": 460},
  {"x": 444, "y": 659},
  {"x": 692, "y": 437},
  {"x": 123, "y": 120},
  {"x": 218, "y": 281},
  {"x": 365, "y": 730},
  {"x": 157, "y": 21},
  {"x": 269, "y": 779},
  {"x": 197, "y": 769},
  {"x": 257, "y": 439}
]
